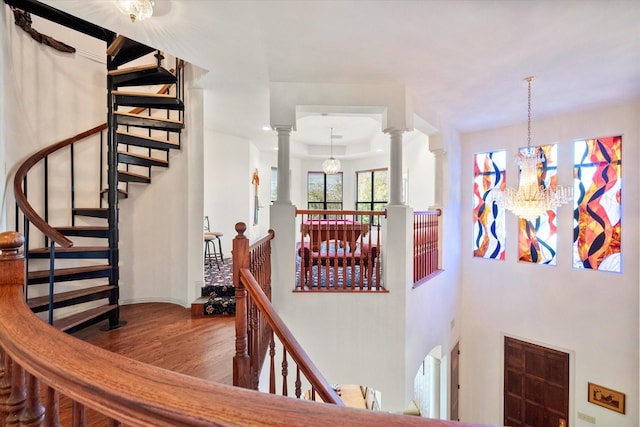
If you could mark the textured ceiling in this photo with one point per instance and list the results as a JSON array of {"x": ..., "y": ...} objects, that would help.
[{"x": 462, "y": 62}]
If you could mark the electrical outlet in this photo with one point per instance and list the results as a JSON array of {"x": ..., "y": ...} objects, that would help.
[{"x": 587, "y": 418}]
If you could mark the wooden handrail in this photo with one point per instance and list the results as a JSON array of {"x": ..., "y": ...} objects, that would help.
[
  {"x": 21, "y": 198},
  {"x": 139, "y": 394},
  {"x": 311, "y": 372}
]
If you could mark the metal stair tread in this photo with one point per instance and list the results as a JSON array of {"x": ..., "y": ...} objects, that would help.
[
  {"x": 78, "y": 251},
  {"x": 143, "y": 94},
  {"x": 92, "y": 212},
  {"x": 128, "y": 176},
  {"x": 38, "y": 302},
  {"x": 70, "y": 322},
  {"x": 140, "y": 116},
  {"x": 156, "y": 161},
  {"x": 150, "y": 138},
  {"x": 134, "y": 69},
  {"x": 61, "y": 272}
]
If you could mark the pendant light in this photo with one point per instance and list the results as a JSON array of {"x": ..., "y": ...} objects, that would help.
[{"x": 331, "y": 166}]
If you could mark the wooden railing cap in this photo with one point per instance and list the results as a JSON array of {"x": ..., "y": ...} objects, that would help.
[{"x": 10, "y": 244}]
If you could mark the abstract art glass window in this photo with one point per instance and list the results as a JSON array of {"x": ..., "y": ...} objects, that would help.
[
  {"x": 488, "y": 218},
  {"x": 597, "y": 204},
  {"x": 537, "y": 239}
]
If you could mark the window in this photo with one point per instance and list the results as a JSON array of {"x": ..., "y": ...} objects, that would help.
[
  {"x": 597, "y": 204},
  {"x": 324, "y": 191},
  {"x": 488, "y": 217},
  {"x": 372, "y": 193},
  {"x": 538, "y": 239}
]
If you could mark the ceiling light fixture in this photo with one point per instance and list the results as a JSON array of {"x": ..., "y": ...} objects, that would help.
[
  {"x": 531, "y": 199},
  {"x": 331, "y": 166},
  {"x": 137, "y": 10}
]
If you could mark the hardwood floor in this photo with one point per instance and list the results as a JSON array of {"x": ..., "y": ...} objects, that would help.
[{"x": 165, "y": 335}]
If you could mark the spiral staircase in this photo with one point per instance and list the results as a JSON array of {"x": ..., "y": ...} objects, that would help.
[{"x": 144, "y": 124}]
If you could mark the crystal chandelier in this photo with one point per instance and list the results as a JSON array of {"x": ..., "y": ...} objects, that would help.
[
  {"x": 331, "y": 166},
  {"x": 531, "y": 199},
  {"x": 136, "y": 9}
]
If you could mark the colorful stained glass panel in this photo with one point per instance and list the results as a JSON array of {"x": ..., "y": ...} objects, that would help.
[
  {"x": 488, "y": 218},
  {"x": 597, "y": 204},
  {"x": 537, "y": 239}
]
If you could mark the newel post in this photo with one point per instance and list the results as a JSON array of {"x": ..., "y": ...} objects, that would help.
[
  {"x": 12, "y": 390},
  {"x": 240, "y": 259}
]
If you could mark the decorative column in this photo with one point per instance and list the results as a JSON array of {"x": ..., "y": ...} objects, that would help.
[
  {"x": 439, "y": 159},
  {"x": 284, "y": 188},
  {"x": 395, "y": 167}
]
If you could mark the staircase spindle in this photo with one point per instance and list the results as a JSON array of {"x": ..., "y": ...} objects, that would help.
[
  {"x": 298, "y": 383},
  {"x": 79, "y": 415},
  {"x": 52, "y": 408},
  {"x": 285, "y": 372},
  {"x": 5, "y": 388},
  {"x": 16, "y": 401},
  {"x": 272, "y": 365},
  {"x": 46, "y": 197},
  {"x": 33, "y": 413}
]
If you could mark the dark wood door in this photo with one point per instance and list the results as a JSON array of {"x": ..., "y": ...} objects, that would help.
[
  {"x": 455, "y": 383},
  {"x": 536, "y": 385}
]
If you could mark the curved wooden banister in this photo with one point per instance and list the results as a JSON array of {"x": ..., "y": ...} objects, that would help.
[
  {"x": 138, "y": 394},
  {"x": 21, "y": 198},
  {"x": 307, "y": 367}
]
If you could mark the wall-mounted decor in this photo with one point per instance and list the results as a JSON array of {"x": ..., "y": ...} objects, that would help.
[
  {"x": 538, "y": 238},
  {"x": 488, "y": 217},
  {"x": 597, "y": 204},
  {"x": 606, "y": 397}
]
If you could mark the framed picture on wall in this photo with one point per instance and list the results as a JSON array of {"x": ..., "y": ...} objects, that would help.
[{"x": 606, "y": 397}]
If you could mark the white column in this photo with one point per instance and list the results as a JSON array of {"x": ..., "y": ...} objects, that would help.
[
  {"x": 395, "y": 167},
  {"x": 284, "y": 187}
]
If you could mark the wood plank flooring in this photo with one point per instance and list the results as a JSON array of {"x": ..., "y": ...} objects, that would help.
[{"x": 163, "y": 335}]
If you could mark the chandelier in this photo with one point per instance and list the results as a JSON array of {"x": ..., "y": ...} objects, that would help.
[
  {"x": 136, "y": 9},
  {"x": 531, "y": 199},
  {"x": 331, "y": 166}
]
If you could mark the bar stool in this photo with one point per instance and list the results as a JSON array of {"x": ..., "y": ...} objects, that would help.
[{"x": 210, "y": 245}]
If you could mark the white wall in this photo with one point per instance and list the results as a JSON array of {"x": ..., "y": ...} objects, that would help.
[
  {"x": 591, "y": 315},
  {"x": 35, "y": 76},
  {"x": 228, "y": 196}
]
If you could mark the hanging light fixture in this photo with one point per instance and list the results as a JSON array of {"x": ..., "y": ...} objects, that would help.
[
  {"x": 531, "y": 199},
  {"x": 137, "y": 10},
  {"x": 331, "y": 166}
]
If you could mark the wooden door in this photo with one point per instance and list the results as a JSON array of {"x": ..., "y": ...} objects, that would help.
[
  {"x": 536, "y": 385},
  {"x": 455, "y": 383}
]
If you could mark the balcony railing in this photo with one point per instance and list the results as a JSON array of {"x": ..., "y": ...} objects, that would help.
[
  {"x": 426, "y": 241},
  {"x": 339, "y": 251}
]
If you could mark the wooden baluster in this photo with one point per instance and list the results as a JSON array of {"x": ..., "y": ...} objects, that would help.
[
  {"x": 5, "y": 389},
  {"x": 78, "y": 415},
  {"x": 285, "y": 372},
  {"x": 256, "y": 349},
  {"x": 298, "y": 383},
  {"x": 33, "y": 413},
  {"x": 52, "y": 405},
  {"x": 272, "y": 365},
  {"x": 114, "y": 423},
  {"x": 241, "y": 363},
  {"x": 16, "y": 401}
]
